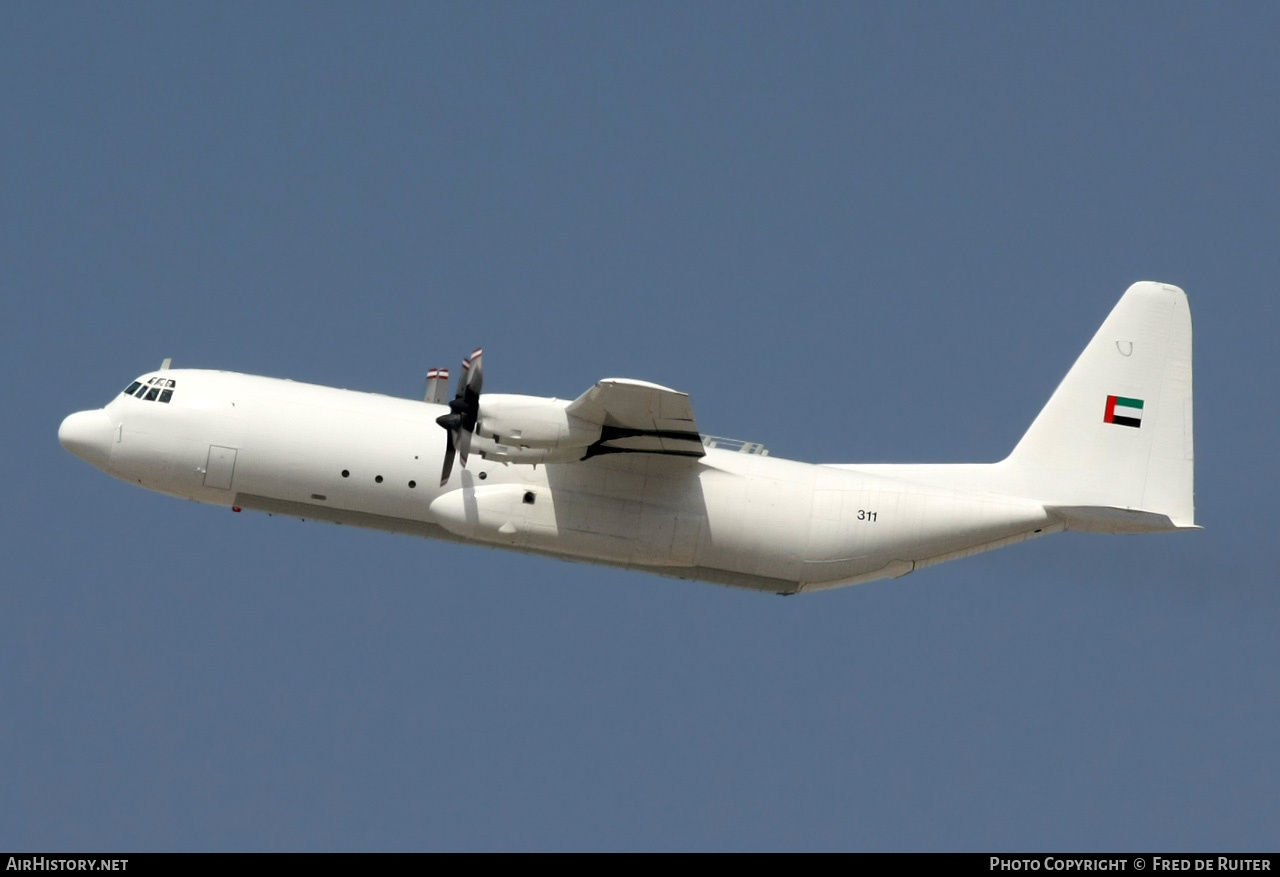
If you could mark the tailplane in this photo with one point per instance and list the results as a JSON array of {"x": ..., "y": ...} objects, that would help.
[{"x": 1113, "y": 449}]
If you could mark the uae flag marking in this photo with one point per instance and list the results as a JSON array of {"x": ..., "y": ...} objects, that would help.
[{"x": 1124, "y": 411}]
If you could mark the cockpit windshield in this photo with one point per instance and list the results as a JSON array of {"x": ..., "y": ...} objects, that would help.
[{"x": 153, "y": 390}]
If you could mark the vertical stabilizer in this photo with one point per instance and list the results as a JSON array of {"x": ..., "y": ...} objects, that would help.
[{"x": 1117, "y": 433}]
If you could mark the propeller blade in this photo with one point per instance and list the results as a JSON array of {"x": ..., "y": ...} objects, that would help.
[
  {"x": 448, "y": 454},
  {"x": 471, "y": 374},
  {"x": 475, "y": 372},
  {"x": 464, "y": 444},
  {"x": 468, "y": 400},
  {"x": 464, "y": 411}
]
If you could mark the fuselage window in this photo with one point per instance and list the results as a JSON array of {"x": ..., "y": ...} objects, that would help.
[
  {"x": 135, "y": 385},
  {"x": 152, "y": 394},
  {"x": 166, "y": 395}
]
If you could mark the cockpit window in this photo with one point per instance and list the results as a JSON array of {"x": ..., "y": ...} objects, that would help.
[{"x": 154, "y": 390}]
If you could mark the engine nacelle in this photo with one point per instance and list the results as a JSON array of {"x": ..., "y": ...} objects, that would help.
[
  {"x": 491, "y": 450},
  {"x": 525, "y": 423}
]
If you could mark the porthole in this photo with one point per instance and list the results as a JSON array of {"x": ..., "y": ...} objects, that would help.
[
  {"x": 484, "y": 475},
  {"x": 346, "y": 473},
  {"x": 412, "y": 485},
  {"x": 529, "y": 497},
  {"x": 377, "y": 478}
]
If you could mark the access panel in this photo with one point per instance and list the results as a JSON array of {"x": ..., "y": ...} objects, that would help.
[{"x": 220, "y": 468}]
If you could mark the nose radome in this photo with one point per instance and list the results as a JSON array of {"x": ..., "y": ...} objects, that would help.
[{"x": 88, "y": 435}]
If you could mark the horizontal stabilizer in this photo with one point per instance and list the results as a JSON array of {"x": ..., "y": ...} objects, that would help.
[{"x": 1104, "y": 519}]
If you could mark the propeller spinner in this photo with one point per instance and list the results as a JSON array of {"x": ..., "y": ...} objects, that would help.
[{"x": 464, "y": 409}]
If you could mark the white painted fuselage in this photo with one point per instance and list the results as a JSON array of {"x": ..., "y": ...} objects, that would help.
[
  {"x": 369, "y": 460},
  {"x": 742, "y": 519}
]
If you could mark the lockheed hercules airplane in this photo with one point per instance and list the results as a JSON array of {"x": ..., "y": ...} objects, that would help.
[{"x": 622, "y": 476}]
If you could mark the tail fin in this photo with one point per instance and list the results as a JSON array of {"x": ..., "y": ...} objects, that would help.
[{"x": 1112, "y": 450}]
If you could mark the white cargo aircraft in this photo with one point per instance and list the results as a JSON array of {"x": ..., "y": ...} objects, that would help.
[{"x": 621, "y": 475}]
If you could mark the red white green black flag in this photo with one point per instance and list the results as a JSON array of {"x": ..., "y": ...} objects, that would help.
[{"x": 1123, "y": 411}]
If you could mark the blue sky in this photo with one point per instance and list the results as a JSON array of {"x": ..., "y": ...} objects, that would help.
[{"x": 853, "y": 232}]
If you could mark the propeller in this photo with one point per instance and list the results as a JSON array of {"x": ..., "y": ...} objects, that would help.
[{"x": 464, "y": 409}]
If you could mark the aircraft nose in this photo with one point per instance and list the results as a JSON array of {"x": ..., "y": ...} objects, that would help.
[{"x": 89, "y": 435}]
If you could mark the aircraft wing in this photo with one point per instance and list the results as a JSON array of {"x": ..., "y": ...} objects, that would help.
[{"x": 639, "y": 417}]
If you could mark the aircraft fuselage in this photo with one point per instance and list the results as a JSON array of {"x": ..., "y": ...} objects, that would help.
[{"x": 369, "y": 460}]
